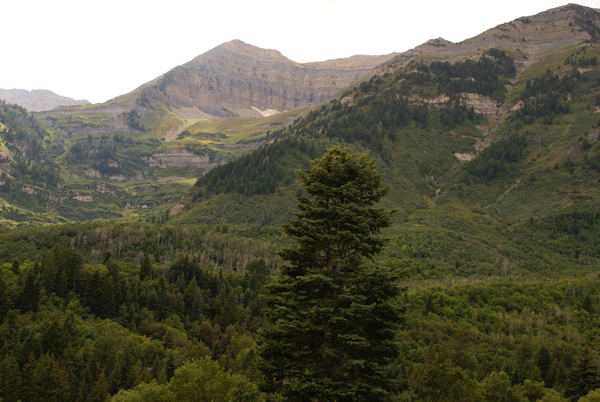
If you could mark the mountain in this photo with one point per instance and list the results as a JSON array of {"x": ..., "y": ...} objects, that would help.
[
  {"x": 237, "y": 79},
  {"x": 136, "y": 154},
  {"x": 490, "y": 148},
  {"x": 158, "y": 136},
  {"x": 38, "y": 100}
]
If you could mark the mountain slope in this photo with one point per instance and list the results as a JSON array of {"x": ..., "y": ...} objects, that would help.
[
  {"x": 38, "y": 100},
  {"x": 29, "y": 177},
  {"x": 492, "y": 158},
  {"x": 157, "y": 136}
]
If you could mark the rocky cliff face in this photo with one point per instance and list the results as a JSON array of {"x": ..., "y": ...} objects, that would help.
[
  {"x": 178, "y": 157},
  {"x": 237, "y": 79},
  {"x": 38, "y": 100}
]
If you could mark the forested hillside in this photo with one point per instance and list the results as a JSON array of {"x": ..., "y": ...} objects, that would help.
[
  {"x": 29, "y": 175},
  {"x": 433, "y": 233}
]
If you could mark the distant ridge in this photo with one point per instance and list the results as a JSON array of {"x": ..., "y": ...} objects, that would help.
[
  {"x": 38, "y": 100},
  {"x": 238, "y": 79}
]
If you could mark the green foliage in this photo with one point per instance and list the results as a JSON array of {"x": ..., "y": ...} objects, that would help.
[
  {"x": 23, "y": 136},
  {"x": 497, "y": 387},
  {"x": 546, "y": 96},
  {"x": 583, "y": 376},
  {"x": 332, "y": 316},
  {"x": 335, "y": 227},
  {"x": 514, "y": 339},
  {"x": 200, "y": 380},
  {"x": 260, "y": 172},
  {"x": 495, "y": 160},
  {"x": 145, "y": 268},
  {"x": 593, "y": 396},
  {"x": 133, "y": 120},
  {"x": 10, "y": 378},
  {"x": 485, "y": 76},
  {"x": 94, "y": 329}
]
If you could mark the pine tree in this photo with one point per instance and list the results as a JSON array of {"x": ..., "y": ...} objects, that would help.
[
  {"x": 543, "y": 361},
  {"x": 30, "y": 298},
  {"x": 192, "y": 298},
  {"x": 100, "y": 389},
  {"x": 4, "y": 300},
  {"x": 48, "y": 382},
  {"x": 10, "y": 379},
  {"x": 333, "y": 316},
  {"x": 145, "y": 268},
  {"x": 125, "y": 372},
  {"x": 15, "y": 267},
  {"x": 582, "y": 377}
]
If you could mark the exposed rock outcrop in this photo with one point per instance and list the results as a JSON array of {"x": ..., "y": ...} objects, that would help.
[
  {"x": 178, "y": 157},
  {"x": 237, "y": 79},
  {"x": 83, "y": 197},
  {"x": 103, "y": 188}
]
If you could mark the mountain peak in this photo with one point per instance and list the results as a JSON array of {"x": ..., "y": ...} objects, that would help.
[
  {"x": 247, "y": 50},
  {"x": 239, "y": 79}
]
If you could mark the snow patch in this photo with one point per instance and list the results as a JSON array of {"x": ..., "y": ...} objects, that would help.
[{"x": 267, "y": 112}]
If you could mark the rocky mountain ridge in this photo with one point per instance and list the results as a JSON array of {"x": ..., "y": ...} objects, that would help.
[
  {"x": 530, "y": 36},
  {"x": 238, "y": 79},
  {"x": 38, "y": 100}
]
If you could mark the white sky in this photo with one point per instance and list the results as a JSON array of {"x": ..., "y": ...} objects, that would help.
[{"x": 97, "y": 50}]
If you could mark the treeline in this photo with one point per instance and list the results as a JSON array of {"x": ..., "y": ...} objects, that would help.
[
  {"x": 379, "y": 109},
  {"x": 574, "y": 222},
  {"x": 575, "y": 234},
  {"x": 20, "y": 122},
  {"x": 112, "y": 290},
  {"x": 102, "y": 156},
  {"x": 133, "y": 119}
]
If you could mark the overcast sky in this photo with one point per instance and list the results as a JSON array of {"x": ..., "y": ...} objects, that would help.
[{"x": 97, "y": 50}]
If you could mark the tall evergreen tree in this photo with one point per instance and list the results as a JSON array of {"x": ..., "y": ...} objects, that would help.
[
  {"x": 10, "y": 379},
  {"x": 145, "y": 268},
  {"x": 30, "y": 298},
  {"x": 333, "y": 316},
  {"x": 4, "y": 300},
  {"x": 583, "y": 377}
]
